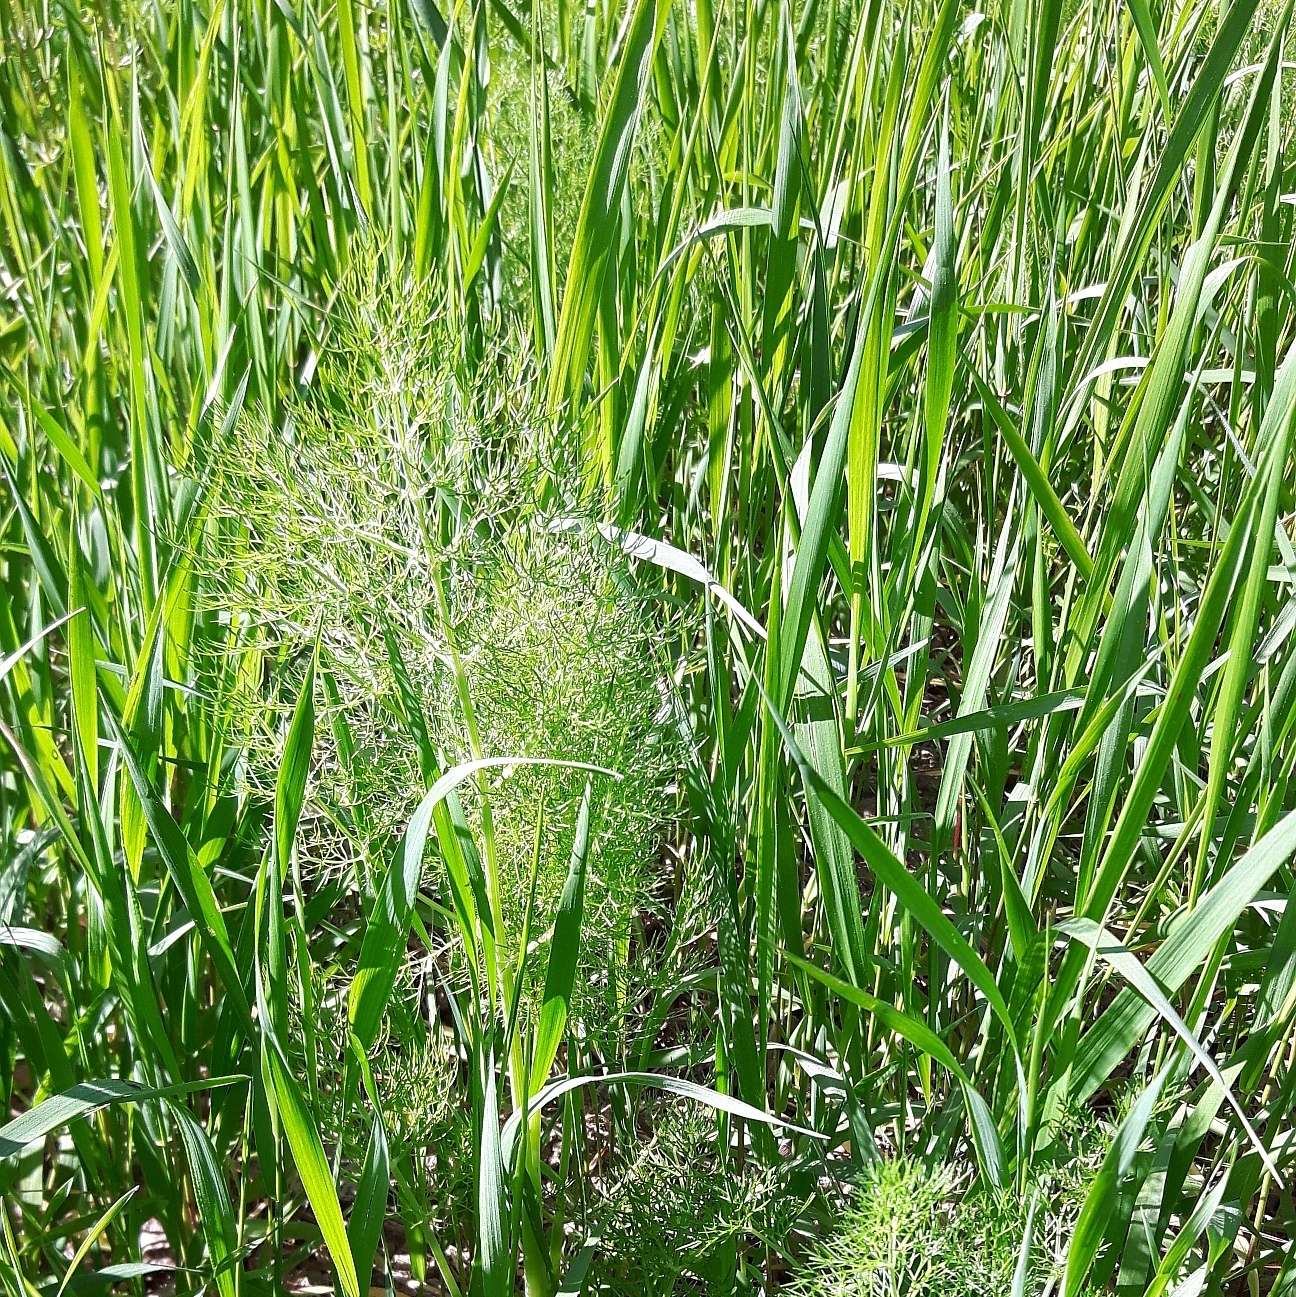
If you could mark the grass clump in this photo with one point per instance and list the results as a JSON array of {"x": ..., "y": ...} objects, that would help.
[{"x": 865, "y": 426}]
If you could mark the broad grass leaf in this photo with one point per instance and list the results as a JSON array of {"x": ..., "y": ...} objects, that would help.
[
  {"x": 313, "y": 1169},
  {"x": 369, "y": 1211},
  {"x": 83, "y": 1098},
  {"x": 92, "y": 1235},
  {"x": 1100, "y": 1200},
  {"x": 494, "y": 1259},
  {"x": 675, "y": 1085},
  {"x": 1191, "y": 938},
  {"x": 189, "y": 877},
  {"x": 564, "y": 950},
  {"x": 211, "y": 1197},
  {"x": 294, "y": 770}
]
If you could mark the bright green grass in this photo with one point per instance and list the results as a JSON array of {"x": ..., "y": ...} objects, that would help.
[{"x": 718, "y": 573}]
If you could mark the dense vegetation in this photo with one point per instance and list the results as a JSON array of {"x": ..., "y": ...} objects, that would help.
[{"x": 647, "y": 647}]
